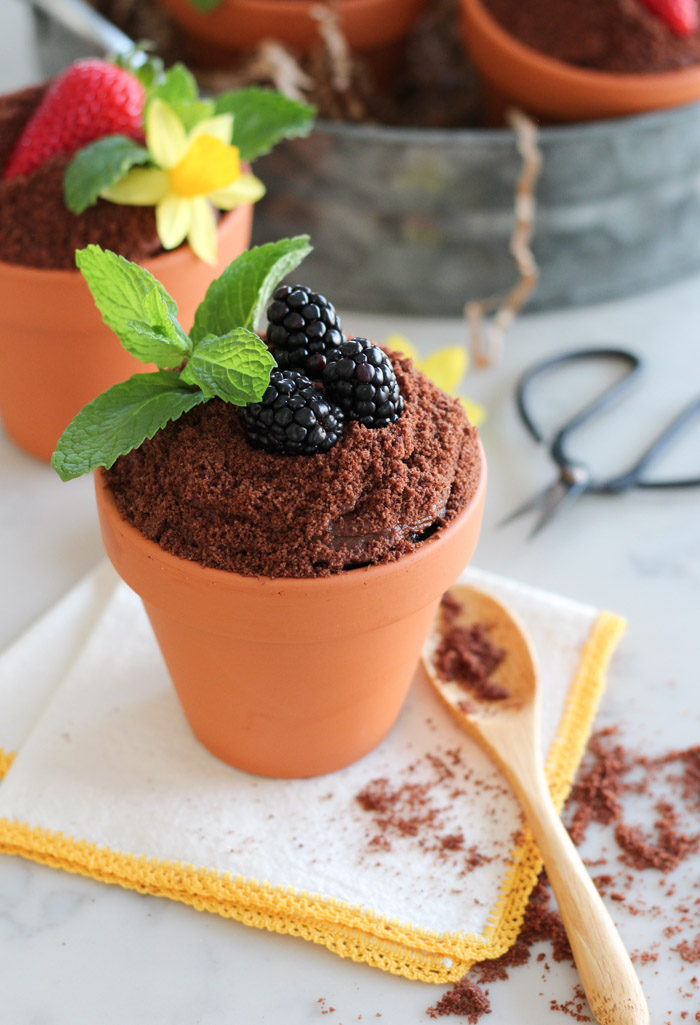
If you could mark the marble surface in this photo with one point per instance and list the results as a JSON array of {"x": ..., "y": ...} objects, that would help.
[{"x": 74, "y": 952}]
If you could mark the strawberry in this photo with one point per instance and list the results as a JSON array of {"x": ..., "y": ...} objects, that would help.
[
  {"x": 681, "y": 16},
  {"x": 89, "y": 100}
]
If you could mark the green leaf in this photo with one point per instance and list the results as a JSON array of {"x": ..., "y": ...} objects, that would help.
[
  {"x": 191, "y": 112},
  {"x": 205, "y": 5},
  {"x": 238, "y": 297},
  {"x": 147, "y": 68},
  {"x": 261, "y": 117},
  {"x": 234, "y": 367},
  {"x": 130, "y": 301},
  {"x": 121, "y": 419},
  {"x": 178, "y": 86},
  {"x": 98, "y": 166}
]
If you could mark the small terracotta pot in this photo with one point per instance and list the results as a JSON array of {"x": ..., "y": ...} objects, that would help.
[
  {"x": 56, "y": 353},
  {"x": 555, "y": 91},
  {"x": 238, "y": 25},
  {"x": 290, "y": 677}
]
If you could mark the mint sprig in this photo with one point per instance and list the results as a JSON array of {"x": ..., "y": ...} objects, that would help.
[
  {"x": 120, "y": 420},
  {"x": 135, "y": 306},
  {"x": 178, "y": 88},
  {"x": 262, "y": 117},
  {"x": 239, "y": 296},
  {"x": 223, "y": 358},
  {"x": 97, "y": 166},
  {"x": 233, "y": 367}
]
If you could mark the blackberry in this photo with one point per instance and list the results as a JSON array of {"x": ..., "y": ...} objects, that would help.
[
  {"x": 361, "y": 379},
  {"x": 293, "y": 417},
  {"x": 302, "y": 325}
]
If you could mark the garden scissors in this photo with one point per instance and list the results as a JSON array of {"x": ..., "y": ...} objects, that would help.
[{"x": 575, "y": 477}]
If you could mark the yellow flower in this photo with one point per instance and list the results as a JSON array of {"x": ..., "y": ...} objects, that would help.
[
  {"x": 445, "y": 368},
  {"x": 195, "y": 171}
]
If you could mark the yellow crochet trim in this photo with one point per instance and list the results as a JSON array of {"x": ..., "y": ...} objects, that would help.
[{"x": 348, "y": 931}]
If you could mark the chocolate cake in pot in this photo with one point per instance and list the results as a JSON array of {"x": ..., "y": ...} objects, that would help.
[
  {"x": 36, "y": 227},
  {"x": 200, "y": 491}
]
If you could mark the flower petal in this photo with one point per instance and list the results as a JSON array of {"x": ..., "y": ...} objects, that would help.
[
  {"x": 202, "y": 234},
  {"x": 141, "y": 186},
  {"x": 165, "y": 135},
  {"x": 209, "y": 165},
  {"x": 221, "y": 127},
  {"x": 399, "y": 343},
  {"x": 246, "y": 189},
  {"x": 173, "y": 220},
  {"x": 446, "y": 367}
]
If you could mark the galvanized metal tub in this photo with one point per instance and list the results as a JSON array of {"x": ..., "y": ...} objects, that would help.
[{"x": 418, "y": 221}]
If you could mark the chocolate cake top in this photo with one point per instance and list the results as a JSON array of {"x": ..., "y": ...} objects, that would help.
[
  {"x": 609, "y": 35},
  {"x": 202, "y": 493}
]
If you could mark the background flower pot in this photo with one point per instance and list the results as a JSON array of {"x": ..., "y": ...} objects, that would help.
[
  {"x": 56, "y": 354},
  {"x": 556, "y": 91},
  {"x": 290, "y": 677},
  {"x": 239, "y": 25}
]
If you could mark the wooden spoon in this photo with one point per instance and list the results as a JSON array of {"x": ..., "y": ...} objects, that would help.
[{"x": 508, "y": 730}]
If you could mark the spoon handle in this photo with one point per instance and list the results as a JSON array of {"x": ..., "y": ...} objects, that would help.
[{"x": 608, "y": 978}]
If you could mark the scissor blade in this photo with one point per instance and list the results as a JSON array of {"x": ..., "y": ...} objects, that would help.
[
  {"x": 531, "y": 503},
  {"x": 560, "y": 494}
]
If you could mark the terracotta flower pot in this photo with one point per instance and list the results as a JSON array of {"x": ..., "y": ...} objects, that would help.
[
  {"x": 56, "y": 354},
  {"x": 239, "y": 25},
  {"x": 555, "y": 91},
  {"x": 290, "y": 677}
]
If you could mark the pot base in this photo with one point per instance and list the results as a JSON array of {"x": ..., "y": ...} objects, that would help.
[{"x": 291, "y": 677}]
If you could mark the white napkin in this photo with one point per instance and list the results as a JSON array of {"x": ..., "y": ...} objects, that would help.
[{"x": 108, "y": 780}]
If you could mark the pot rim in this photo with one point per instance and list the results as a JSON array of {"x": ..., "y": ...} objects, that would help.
[
  {"x": 222, "y": 579},
  {"x": 162, "y": 261},
  {"x": 401, "y": 136},
  {"x": 583, "y": 78}
]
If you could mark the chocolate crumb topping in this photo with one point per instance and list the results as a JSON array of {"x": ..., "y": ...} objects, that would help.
[
  {"x": 201, "y": 492},
  {"x": 608, "y": 35}
]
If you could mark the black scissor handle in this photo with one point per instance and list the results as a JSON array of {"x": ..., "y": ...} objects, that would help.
[
  {"x": 606, "y": 398},
  {"x": 634, "y": 479}
]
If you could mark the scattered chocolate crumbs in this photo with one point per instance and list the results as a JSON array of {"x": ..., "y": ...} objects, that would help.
[
  {"x": 610, "y": 773},
  {"x": 611, "y": 35},
  {"x": 466, "y": 655},
  {"x": 36, "y": 227},
  {"x": 201, "y": 492},
  {"x": 466, "y": 999},
  {"x": 417, "y": 811},
  {"x": 689, "y": 952},
  {"x": 671, "y": 847}
]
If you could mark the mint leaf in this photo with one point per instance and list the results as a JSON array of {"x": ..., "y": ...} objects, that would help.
[
  {"x": 238, "y": 297},
  {"x": 128, "y": 295},
  {"x": 147, "y": 68},
  {"x": 178, "y": 85},
  {"x": 121, "y": 419},
  {"x": 261, "y": 117},
  {"x": 178, "y": 88},
  {"x": 191, "y": 112},
  {"x": 98, "y": 166},
  {"x": 234, "y": 367},
  {"x": 205, "y": 5}
]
